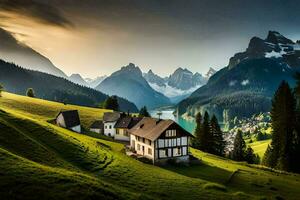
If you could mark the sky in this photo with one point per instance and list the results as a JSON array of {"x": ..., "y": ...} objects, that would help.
[{"x": 98, "y": 37}]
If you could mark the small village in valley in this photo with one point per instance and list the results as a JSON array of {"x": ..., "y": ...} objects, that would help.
[{"x": 158, "y": 140}]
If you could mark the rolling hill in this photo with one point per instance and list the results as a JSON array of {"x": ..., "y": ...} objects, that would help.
[
  {"x": 40, "y": 160},
  {"x": 16, "y": 80}
]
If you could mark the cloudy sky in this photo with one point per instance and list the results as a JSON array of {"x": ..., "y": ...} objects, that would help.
[{"x": 97, "y": 37}]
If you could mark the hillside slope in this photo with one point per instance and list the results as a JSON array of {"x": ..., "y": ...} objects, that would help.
[
  {"x": 40, "y": 160},
  {"x": 246, "y": 86},
  {"x": 46, "y": 86}
]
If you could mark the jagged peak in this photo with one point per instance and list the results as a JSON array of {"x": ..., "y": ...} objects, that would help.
[{"x": 276, "y": 37}]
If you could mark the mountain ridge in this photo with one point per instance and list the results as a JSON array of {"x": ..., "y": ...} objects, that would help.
[
  {"x": 247, "y": 84},
  {"x": 19, "y": 53},
  {"x": 129, "y": 83}
]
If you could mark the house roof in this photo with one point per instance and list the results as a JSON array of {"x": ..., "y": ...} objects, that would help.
[
  {"x": 127, "y": 122},
  {"x": 111, "y": 116},
  {"x": 151, "y": 128},
  {"x": 97, "y": 124},
  {"x": 71, "y": 118}
]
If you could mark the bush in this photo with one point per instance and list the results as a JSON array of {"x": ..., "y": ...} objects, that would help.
[{"x": 30, "y": 92}]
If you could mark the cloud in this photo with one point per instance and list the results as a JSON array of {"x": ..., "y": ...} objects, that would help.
[{"x": 38, "y": 10}]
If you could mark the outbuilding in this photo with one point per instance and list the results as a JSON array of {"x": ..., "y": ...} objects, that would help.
[{"x": 69, "y": 119}]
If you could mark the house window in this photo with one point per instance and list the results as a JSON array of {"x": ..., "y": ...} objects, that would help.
[
  {"x": 149, "y": 151},
  {"x": 171, "y": 133},
  {"x": 105, "y": 127},
  {"x": 178, "y": 152},
  {"x": 109, "y": 126},
  {"x": 150, "y": 142},
  {"x": 126, "y": 133},
  {"x": 138, "y": 147}
]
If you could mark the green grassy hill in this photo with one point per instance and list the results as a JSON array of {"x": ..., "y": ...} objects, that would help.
[
  {"x": 260, "y": 147},
  {"x": 39, "y": 160}
]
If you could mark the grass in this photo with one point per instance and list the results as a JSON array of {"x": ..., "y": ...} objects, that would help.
[
  {"x": 39, "y": 160},
  {"x": 260, "y": 147}
]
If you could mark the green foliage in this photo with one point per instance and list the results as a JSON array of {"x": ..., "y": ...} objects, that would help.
[
  {"x": 208, "y": 135},
  {"x": 111, "y": 103},
  {"x": 40, "y": 160},
  {"x": 218, "y": 140},
  {"x": 1, "y": 89},
  {"x": 250, "y": 157},
  {"x": 144, "y": 112},
  {"x": 239, "y": 147},
  {"x": 196, "y": 142},
  {"x": 283, "y": 124},
  {"x": 30, "y": 92}
]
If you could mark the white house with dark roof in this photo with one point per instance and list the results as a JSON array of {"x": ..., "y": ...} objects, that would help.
[
  {"x": 109, "y": 121},
  {"x": 160, "y": 140},
  {"x": 69, "y": 119}
]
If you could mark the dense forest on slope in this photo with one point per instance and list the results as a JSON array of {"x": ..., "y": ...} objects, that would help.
[
  {"x": 241, "y": 91},
  {"x": 17, "y": 80}
]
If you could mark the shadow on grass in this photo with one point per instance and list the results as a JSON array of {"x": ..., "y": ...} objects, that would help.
[{"x": 202, "y": 171}]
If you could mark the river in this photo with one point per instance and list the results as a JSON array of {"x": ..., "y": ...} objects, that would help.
[{"x": 188, "y": 125}]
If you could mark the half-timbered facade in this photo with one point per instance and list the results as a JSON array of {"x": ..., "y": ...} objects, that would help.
[{"x": 160, "y": 140}]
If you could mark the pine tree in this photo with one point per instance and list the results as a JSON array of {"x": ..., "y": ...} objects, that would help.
[
  {"x": 250, "y": 157},
  {"x": 111, "y": 103},
  {"x": 295, "y": 157},
  {"x": 1, "y": 90},
  {"x": 239, "y": 146},
  {"x": 144, "y": 112},
  {"x": 30, "y": 92},
  {"x": 198, "y": 132},
  {"x": 218, "y": 140},
  {"x": 206, "y": 142},
  {"x": 283, "y": 121}
]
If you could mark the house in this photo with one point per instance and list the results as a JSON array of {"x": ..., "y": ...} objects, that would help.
[
  {"x": 69, "y": 119},
  {"x": 97, "y": 127},
  {"x": 109, "y": 121},
  {"x": 123, "y": 125},
  {"x": 160, "y": 140}
]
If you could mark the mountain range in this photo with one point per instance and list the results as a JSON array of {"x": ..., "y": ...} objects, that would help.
[
  {"x": 129, "y": 83},
  {"x": 17, "y": 80},
  {"x": 247, "y": 85},
  {"x": 180, "y": 84},
  {"x": 12, "y": 50},
  {"x": 88, "y": 82}
]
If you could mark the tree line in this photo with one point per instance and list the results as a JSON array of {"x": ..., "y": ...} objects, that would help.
[
  {"x": 284, "y": 151},
  {"x": 208, "y": 135},
  {"x": 210, "y": 138}
]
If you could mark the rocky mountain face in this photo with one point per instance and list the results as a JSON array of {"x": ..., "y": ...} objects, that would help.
[
  {"x": 178, "y": 85},
  {"x": 274, "y": 46},
  {"x": 153, "y": 78},
  {"x": 184, "y": 79},
  {"x": 210, "y": 73},
  {"x": 130, "y": 84},
  {"x": 19, "y": 53},
  {"x": 247, "y": 85}
]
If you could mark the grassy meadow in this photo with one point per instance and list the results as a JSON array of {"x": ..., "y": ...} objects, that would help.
[{"x": 39, "y": 160}]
